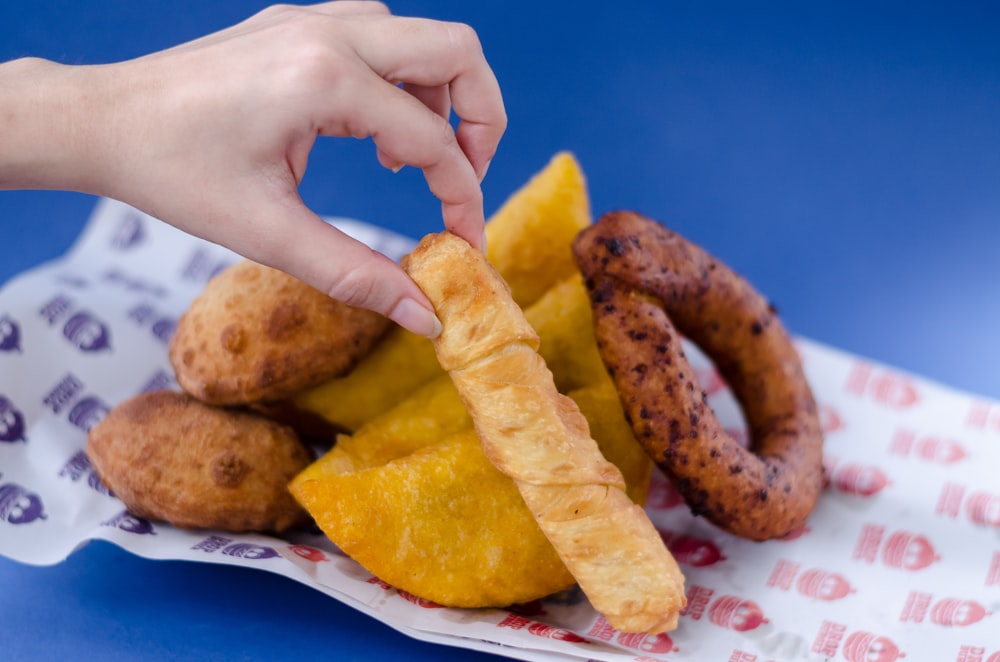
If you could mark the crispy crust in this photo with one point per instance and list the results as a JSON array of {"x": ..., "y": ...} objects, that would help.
[
  {"x": 649, "y": 287},
  {"x": 539, "y": 438},
  {"x": 170, "y": 457},
  {"x": 257, "y": 334}
]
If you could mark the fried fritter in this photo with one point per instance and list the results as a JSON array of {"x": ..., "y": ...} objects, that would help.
[
  {"x": 258, "y": 334},
  {"x": 170, "y": 457}
]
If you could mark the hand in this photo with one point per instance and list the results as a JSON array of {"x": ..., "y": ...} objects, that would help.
[{"x": 214, "y": 135}]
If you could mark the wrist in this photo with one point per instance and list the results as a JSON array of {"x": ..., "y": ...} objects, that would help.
[{"x": 50, "y": 125}]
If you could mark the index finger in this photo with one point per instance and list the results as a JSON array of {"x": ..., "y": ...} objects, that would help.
[{"x": 435, "y": 53}]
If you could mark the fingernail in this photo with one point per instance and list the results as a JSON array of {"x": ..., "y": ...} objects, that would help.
[
  {"x": 482, "y": 243},
  {"x": 397, "y": 168},
  {"x": 411, "y": 315}
]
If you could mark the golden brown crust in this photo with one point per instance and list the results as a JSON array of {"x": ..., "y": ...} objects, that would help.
[
  {"x": 170, "y": 457},
  {"x": 258, "y": 334},
  {"x": 539, "y": 438},
  {"x": 649, "y": 287}
]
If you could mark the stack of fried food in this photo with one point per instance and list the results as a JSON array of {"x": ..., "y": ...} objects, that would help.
[{"x": 265, "y": 362}]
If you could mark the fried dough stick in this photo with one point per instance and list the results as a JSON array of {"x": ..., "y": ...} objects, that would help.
[{"x": 539, "y": 438}]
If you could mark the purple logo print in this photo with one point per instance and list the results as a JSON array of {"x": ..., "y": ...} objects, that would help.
[
  {"x": 11, "y": 422},
  {"x": 86, "y": 332},
  {"x": 18, "y": 505},
  {"x": 10, "y": 335},
  {"x": 88, "y": 412},
  {"x": 126, "y": 521},
  {"x": 79, "y": 466},
  {"x": 160, "y": 381},
  {"x": 130, "y": 232},
  {"x": 250, "y": 551}
]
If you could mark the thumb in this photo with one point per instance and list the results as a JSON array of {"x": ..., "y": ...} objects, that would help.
[{"x": 322, "y": 256}]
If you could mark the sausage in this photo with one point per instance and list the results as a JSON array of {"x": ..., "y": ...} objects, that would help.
[{"x": 649, "y": 287}]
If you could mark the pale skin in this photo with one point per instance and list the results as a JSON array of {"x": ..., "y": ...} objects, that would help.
[{"x": 213, "y": 136}]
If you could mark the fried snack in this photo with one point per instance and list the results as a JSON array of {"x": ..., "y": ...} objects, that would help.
[
  {"x": 529, "y": 239},
  {"x": 258, "y": 334},
  {"x": 540, "y": 439},
  {"x": 564, "y": 323},
  {"x": 648, "y": 287},
  {"x": 399, "y": 364},
  {"x": 413, "y": 499},
  {"x": 172, "y": 458},
  {"x": 441, "y": 523},
  {"x": 553, "y": 205}
]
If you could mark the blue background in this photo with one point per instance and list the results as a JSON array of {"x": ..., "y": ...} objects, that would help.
[{"x": 844, "y": 156}]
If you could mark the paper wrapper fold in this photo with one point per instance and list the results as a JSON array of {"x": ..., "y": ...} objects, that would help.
[{"x": 900, "y": 558}]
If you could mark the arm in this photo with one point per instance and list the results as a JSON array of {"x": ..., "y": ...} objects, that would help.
[{"x": 213, "y": 136}]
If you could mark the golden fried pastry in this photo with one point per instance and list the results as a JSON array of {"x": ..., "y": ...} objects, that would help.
[
  {"x": 258, "y": 334},
  {"x": 172, "y": 458},
  {"x": 540, "y": 439},
  {"x": 649, "y": 287},
  {"x": 441, "y": 523},
  {"x": 415, "y": 478}
]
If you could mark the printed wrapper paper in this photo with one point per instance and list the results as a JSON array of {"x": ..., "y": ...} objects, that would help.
[{"x": 901, "y": 557}]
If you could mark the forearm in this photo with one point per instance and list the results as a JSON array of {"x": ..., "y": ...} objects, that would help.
[{"x": 51, "y": 118}]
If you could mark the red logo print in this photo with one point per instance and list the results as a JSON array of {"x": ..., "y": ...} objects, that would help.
[
  {"x": 869, "y": 647},
  {"x": 823, "y": 585},
  {"x": 882, "y": 386},
  {"x": 697, "y": 600},
  {"x": 814, "y": 583},
  {"x": 517, "y": 622},
  {"x": 692, "y": 551},
  {"x": 550, "y": 632},
  {"x": 929, "y": 448},
  {"x": 308, "y": 553},
  {"x": 736, "y": 613},
  {"x": 983, "y": 416},
  {"x": 829, "y": 419},
  {"x": 980, "y": 507},
  {"x": 952, "y": 611},
  {"x": 649, "y": 643},
  {"x": 946, "y": 611},
  {"x": 993, "y": 574},
  {"x": 902, "y": 549},
  {"x": 976, "y": 654},
  {"x": 859, "y": 479}
]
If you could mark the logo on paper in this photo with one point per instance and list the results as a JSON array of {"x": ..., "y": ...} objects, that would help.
[
  {"x": 309, "y": 553},
  {"x": 814, "y": 583},
  {"x": 11, "y": 422},
  {"x": 77, "y": 467},
  {"x": 736, "y": 613},
  {"x": 86, "y": 332},
  {"x": 246, "y": 550},
  {"x": 647, "y": 643},
  {"x": 980, "y": 507},
  {"x": 860, "y": 646},
  {"x": 10, "y": 335},
  {"x": 18, "y": 505},
  {"x": 859, "y": 479},
  {"x": 129, "y": 234},
  {"x": 88, "y": 412},
  {"x": 929, "y": 448},
  {"x": 689, "y": 550},
  {"x": 902, "y": 549},
  {"x": 126, "y": 521},
  {"x": 882, "y": 386}
]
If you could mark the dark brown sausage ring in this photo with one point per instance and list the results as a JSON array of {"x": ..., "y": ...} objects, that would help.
[{"x": 648, "y": 288}]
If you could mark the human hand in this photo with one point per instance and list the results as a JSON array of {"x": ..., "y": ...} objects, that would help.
[{"x": 213, "y": 136}]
